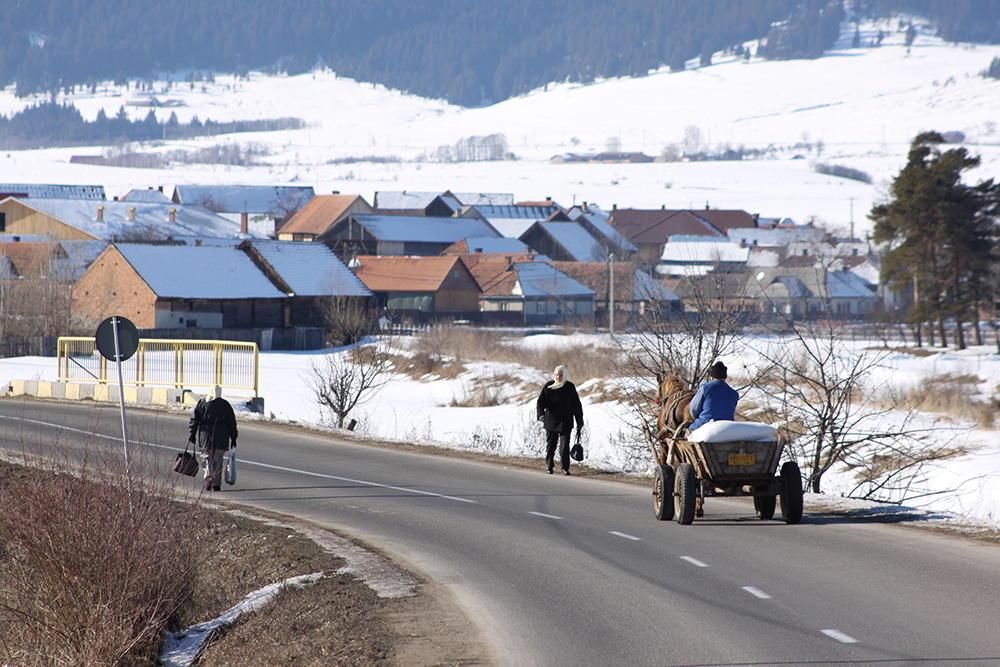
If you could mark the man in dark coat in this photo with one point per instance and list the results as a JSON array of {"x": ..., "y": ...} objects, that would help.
[
  {"x": 715, "y": 400},
  {"x": 557, "y": 407},
  {"x": 214, "y": 425}
]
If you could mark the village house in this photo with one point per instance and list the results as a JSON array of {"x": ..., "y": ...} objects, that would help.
[
  {"x": 258, "y": 208},
  {"x": 90, "y": 220},
  {"x": 319, "y": 215},
  {"x": 636, "y": 293},
  {"x": 316, "y": 282},
  {"x": 178, "y": 286},
  {"x": 529, "y": 292},
  {"x": 384, "y": 235},
  {"x": 419, "y": 289}
]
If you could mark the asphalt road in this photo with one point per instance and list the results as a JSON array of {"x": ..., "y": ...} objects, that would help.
[{"x": 577, "y": 571}]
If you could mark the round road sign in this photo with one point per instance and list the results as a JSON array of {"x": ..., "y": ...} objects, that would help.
[{"x": 128, "y": 338}]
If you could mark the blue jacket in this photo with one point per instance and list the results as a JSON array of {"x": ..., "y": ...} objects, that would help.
[{"x": 714, "y": 400}]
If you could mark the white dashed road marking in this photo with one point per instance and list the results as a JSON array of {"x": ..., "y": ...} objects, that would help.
[
  {"x": 625, "y": 535},
  {"x": 545, "y": 516},
  {"x": 694, "y": 561},
  {"x": 756, "y": 592},
  {"x": 840, "y": 636}
]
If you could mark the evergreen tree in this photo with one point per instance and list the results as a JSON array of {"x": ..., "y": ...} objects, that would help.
[{"x": 939, "y": 235}]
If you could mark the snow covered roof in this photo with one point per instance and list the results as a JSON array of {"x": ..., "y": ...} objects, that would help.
[
  {"x": 422, "y": 229},
  {"x": 601, "y": 225},
  {"x": 90, "y": 192},
  {"x": 310, "y": 268},
  {"x": 279, "y": 200},
  {"x": 512, "y": 228},
  {"x": 575, "y": 240},
  {"x": 148, "y": 195},
  {"x": 198, "y": 272},
  {"x": 538, "y": 279},
  {"x": 516, "y": 211},
  {"x": 485, "y": 198},
  {"x": 416, "y": 201},
  {"x": 775, "y": 236},
  {"x": 704, "y": 253},
  {"x": 149, "y": 218}
]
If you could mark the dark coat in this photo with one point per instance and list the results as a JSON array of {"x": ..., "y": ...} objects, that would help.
[
  {"x": 559, "y": 407},
  {"x": 214, "y": 424}
]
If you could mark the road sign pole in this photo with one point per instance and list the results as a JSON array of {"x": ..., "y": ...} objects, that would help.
[{"x": 121, "y": 401}]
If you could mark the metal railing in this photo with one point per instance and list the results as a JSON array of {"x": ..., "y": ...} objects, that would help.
[{"x": 165, "y": 363}]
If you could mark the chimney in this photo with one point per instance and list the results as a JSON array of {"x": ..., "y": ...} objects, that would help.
[
  {"x": 244, "y": 221},
  {"x": 614, "y": 207},
  {"x": 131, "y": 213},
  {"x": 100, "y": 214},
  {"x": 173, "y": 215}
]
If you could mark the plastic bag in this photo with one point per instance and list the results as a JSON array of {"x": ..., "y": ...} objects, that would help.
[{"x": 230, "y": 473}]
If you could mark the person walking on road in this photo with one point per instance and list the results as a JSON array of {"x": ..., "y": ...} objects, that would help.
[
  {"x": 557, "y": 407},
  {"x": 213, "y": 424}
]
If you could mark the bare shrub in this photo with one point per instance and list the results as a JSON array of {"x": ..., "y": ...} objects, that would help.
[
  {"x": 485, "y": 392},
  {"x": 91, "y": 573},
  {"x": 345, "y": 380},
  {"x": 951, "y": 395}
]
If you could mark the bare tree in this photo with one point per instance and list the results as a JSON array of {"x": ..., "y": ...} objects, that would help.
[
  {"x": 666, "y": 340},
  {"x": 838, "y": 407},
  {"x": 346, "y": 379}
]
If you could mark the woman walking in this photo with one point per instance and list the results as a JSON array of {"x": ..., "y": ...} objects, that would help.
[{"x": 557, "y": 407}]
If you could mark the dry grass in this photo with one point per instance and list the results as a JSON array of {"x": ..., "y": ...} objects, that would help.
[
  {"x": 92, "y": 573},
  {"x": 89, "y": 578},
  {"x": 953, "y": 396}
]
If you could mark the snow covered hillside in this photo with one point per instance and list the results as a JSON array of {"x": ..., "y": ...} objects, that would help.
[{"x": 855, "y": 107}]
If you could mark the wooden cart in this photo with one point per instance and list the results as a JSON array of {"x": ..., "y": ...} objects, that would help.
[{"x": 688, "y": 472}]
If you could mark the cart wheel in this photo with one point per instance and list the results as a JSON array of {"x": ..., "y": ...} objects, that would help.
[
  {"x": 764, "y": 506},
  {"x": 663, "y": 493},
  {"x": 791, "y": 492},
  {"x": 684, "y": 494}
]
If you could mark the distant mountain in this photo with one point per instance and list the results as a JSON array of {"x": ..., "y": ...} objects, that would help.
[{"x": 467, "y": 51}]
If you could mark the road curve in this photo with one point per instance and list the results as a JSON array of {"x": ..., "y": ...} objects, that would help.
[{"x": 576, "y": 571}]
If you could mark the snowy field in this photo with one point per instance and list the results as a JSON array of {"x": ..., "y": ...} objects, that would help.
[{"x": 856, "y": 108}]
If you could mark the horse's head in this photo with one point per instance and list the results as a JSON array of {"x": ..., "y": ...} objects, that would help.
[{"x": 668, "y": 386}]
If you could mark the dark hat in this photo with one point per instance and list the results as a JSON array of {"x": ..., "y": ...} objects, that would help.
[{"x": 717, "y": 371}]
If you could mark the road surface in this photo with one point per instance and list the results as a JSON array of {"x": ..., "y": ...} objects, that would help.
[{"x": 577, "y": 571}]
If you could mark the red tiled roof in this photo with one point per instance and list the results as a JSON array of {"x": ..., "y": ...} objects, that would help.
[
  {"x": 404, "y": 274},
  {"x": 319, "y": 214}
]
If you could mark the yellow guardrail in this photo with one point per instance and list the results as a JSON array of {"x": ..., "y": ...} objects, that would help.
[{"x": 164, "y": 362}]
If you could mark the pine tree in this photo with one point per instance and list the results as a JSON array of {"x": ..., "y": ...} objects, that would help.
[{"x": 939, "y": 235}]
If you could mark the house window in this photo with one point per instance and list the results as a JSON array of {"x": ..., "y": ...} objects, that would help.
[{"x": 3, "y": 222}]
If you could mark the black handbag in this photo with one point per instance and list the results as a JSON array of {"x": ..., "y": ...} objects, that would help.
[
  {"x": 576, "y": 453},
  {"x": 186, "y": 463}
]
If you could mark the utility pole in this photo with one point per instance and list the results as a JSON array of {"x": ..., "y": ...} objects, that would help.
[{"x": 611, "y": 294}]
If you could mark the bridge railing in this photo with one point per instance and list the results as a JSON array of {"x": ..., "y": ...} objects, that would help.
[{"x": 165, "y": 363}]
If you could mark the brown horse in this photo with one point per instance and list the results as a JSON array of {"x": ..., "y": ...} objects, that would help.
[{"x": 674, "y": 399}]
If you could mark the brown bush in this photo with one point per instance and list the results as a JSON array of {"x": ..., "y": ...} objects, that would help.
[{"x": 91, "y": 572}]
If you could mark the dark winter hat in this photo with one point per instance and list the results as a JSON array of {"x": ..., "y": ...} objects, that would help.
[{"x": 717, "y": 371}]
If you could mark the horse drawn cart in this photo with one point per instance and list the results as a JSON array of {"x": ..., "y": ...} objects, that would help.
[{"x": 690, "y": 470}]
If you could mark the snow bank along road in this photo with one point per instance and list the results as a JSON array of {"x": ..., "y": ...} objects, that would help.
[{"x": 575, "y": 571}]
